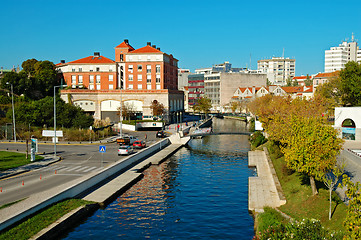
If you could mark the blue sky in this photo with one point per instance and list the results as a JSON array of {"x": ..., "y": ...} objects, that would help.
[{"x": 198, "y": 33}]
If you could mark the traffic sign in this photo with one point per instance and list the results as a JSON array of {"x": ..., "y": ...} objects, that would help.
[{"x": 102, "y": 149}]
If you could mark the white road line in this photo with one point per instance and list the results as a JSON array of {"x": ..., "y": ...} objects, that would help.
[
  {"x": 89, "y": 169},
  {"x": 81, "y": 169},
  {"x": 72, "y": 169}
]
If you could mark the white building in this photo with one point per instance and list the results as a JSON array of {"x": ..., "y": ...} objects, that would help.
[
  {"x": 337, "y": 57},
  {"x": 278, "y": 69}
]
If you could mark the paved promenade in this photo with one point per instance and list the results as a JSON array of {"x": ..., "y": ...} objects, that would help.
[{"x": 264, "y": 190}]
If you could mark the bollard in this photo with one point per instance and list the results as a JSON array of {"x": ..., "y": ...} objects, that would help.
[
  {"x": 1, "y": 189},
  {"x": 40, "y": 176},
  {"x": 55, "y": 172},
  {"x": 23, "y": 183}
]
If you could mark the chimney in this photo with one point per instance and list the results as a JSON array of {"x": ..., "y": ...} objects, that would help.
[
  {"x": 96, "y": 54},
  {"x": 154, "y": 46},
  {"x": 158, "y": 48},
  {"x": 62, "y": 61},
  {"x": 126, "y": 41},
  {"x": 149, "y": 43}
]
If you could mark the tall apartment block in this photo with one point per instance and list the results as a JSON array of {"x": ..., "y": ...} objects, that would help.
[
  {"x": 337, "y": 57},
  {"x": 278, "y": 69}
]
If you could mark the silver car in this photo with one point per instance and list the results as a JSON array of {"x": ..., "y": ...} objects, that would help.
[{"x": 125, "y": 150}]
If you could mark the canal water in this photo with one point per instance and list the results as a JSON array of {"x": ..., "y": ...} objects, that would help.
[{"x": 201, "y": 192}]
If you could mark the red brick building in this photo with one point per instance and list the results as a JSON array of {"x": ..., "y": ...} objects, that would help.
[{"x": 136, "y": 77}]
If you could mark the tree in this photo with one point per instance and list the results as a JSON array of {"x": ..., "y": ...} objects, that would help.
[
  {"x": 235, "y": 105},
  {"x": 350, "y": 84},
  {"x": 331, "y": 179},
  {"x": 311, "y": 147},
  {"x": 29, "y": 66},
  {"x": 330, "y": 91},
  {"x": 308, "y": 81},
  {"x": 157, "y": 108},
  {"x": 204, "y": 104},
  {"x": 352, "y": 221}
]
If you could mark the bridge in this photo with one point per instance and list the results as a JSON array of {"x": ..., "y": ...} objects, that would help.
[{"x": 193, "y": 135}]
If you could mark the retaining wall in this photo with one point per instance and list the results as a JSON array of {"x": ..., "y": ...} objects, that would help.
[{"x": 34, "y": 203}]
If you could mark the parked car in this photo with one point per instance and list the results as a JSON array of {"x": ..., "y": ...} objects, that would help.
[
  {"x": 125, "y": 150},
  {"x": 160, "y": 134},
  {"x": 139, "y": 144}
]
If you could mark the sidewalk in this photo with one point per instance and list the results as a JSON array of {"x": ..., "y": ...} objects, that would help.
[{"x": 48, "y": 159}]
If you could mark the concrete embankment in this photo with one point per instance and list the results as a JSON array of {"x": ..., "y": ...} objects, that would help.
[
  {"x": 265, "y": 189},
  {"x": 15, "y": 213}
]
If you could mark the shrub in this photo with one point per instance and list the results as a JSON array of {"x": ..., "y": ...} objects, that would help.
[
  {"x": 257, "y": 139},
  {"x": 270, "y": 217}
]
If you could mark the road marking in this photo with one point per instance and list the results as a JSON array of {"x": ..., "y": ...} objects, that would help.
[
  {"x": 89, "y": 169},
  {"x": 72, "y": 169},
  {"x": 81, "y": 169}
]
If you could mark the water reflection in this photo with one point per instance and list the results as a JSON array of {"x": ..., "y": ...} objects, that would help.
[{"x": 201, "y": 192}]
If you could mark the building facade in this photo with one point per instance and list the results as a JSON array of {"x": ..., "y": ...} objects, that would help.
[
  {"x": 100, "y": 85},
  {"x": 337, "y": 57},
  {"x": 278, "y": 69}
]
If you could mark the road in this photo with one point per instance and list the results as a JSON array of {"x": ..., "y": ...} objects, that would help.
[{"x": 77, "y": 160}]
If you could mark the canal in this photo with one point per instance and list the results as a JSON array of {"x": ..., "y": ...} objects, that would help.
[{"x": 201, "y": 192}]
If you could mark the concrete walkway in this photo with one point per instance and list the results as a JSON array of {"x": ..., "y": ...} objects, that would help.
[
  {"x": 263, "y": 190},
  {"x": 107, "y": 192}
]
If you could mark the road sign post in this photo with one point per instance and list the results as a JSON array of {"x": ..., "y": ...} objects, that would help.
[{"x": 102, "y": 150}]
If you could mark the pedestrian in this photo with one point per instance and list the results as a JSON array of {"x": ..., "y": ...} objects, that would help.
[
  {"x": 145, "y": 136},
  {"x": 178, "y": 128}
]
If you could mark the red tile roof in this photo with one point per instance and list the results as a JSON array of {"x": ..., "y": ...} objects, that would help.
[
  {"x": 93, "y": 60},
  {"x": 327, "y": 75},
  {"x": 146, "y": 49},
  {"x": 125, "y": 45},
  {"x": 301, "y": 77}
]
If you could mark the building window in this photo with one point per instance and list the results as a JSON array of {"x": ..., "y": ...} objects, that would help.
[
  {"x": 73, "y": 80},
  {"x": 149, "y": 68},
  {"x": 98, "y": 87},
  {"x": 130, "y": 68},
  {"x": 98, "y": 79},
  {"x": 130, "y": 77},
  {"x": 80, "y": 69},
  {"x": 149, "y": 86},
  {"x": 91, "y": 79},
  {"x": 121, "y": 57},
  {"x": 140, "y": 86},
  {"x": 73, "y": 69},
  {"x": 139, "y": 77},
  {"x": 80, "y": 81},
  {"x": 149, "y": 78},
  {"x": 157, "y": 87},
  {"x": 110, "y": 78},
  {"x": 157, "y": 68},
  {"x": 110, "y": 68},
  {"x": 91, "y": 69},
  {"x": 157, "y": 78},
  {"x": 111, "y": 87},
  {"x": 98, "y": 69},
  {"x": 140, "y": 68},
  {"x": 91, "y": 87},
  {"x": 130, "y": 86}
]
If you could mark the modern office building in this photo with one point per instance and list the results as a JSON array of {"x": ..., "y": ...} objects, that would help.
[
  {"x": 136, "y": 78},
  {"x": 278, "y": 69},
  {"x": 337, "y": 57},
  {"x": 195, "y": 88}
]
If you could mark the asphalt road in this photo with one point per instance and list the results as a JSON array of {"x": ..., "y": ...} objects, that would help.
[{"x": 78, "y": 160}]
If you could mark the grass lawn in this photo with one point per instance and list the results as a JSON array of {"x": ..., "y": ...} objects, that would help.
[
  {"x": 35, "y": 224},
  {"x": 300, "y": 202},
  {"x": 12, "y": 159}
]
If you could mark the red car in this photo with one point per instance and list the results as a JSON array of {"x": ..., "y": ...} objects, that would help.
[{"x": 139, "y": 144}]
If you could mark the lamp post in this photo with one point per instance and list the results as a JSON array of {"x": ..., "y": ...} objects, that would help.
[
  {"x": 12, "y": 104},
  {"x": 121, "y": 114},
  {"x": 55, "y": 118}
]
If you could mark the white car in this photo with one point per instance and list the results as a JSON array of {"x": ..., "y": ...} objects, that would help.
[{"x": 125, "y": 150}]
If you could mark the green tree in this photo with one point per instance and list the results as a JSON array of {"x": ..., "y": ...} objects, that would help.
[
  {"x": 352, "y": 221},
  {"x": 308, "y": 81},
  {"x": 311, "y": 147},
  {"x": 350, "y": 84},
  {"x": 28, "y": 66},
  {"x": 203, "y": 105},
  {"x": 235, "y": 105}
]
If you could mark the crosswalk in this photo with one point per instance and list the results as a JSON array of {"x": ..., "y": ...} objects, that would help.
[{"x": 61, "y": 169}]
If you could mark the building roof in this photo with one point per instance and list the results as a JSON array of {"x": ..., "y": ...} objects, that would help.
[
  {"x": 301, "y": 77},
  {"x": 146, "y": 49},
  {"x": 327, "y": 75},
  {"x": 90, "y": 60},
  {"x": 125, "y": 45}
]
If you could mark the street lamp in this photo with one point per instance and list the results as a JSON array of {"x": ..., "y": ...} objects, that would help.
[
  {"x": 12, "y": 103},
  {"x": 55, "y": 118},
  {"x": 121, "y": 114}
]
